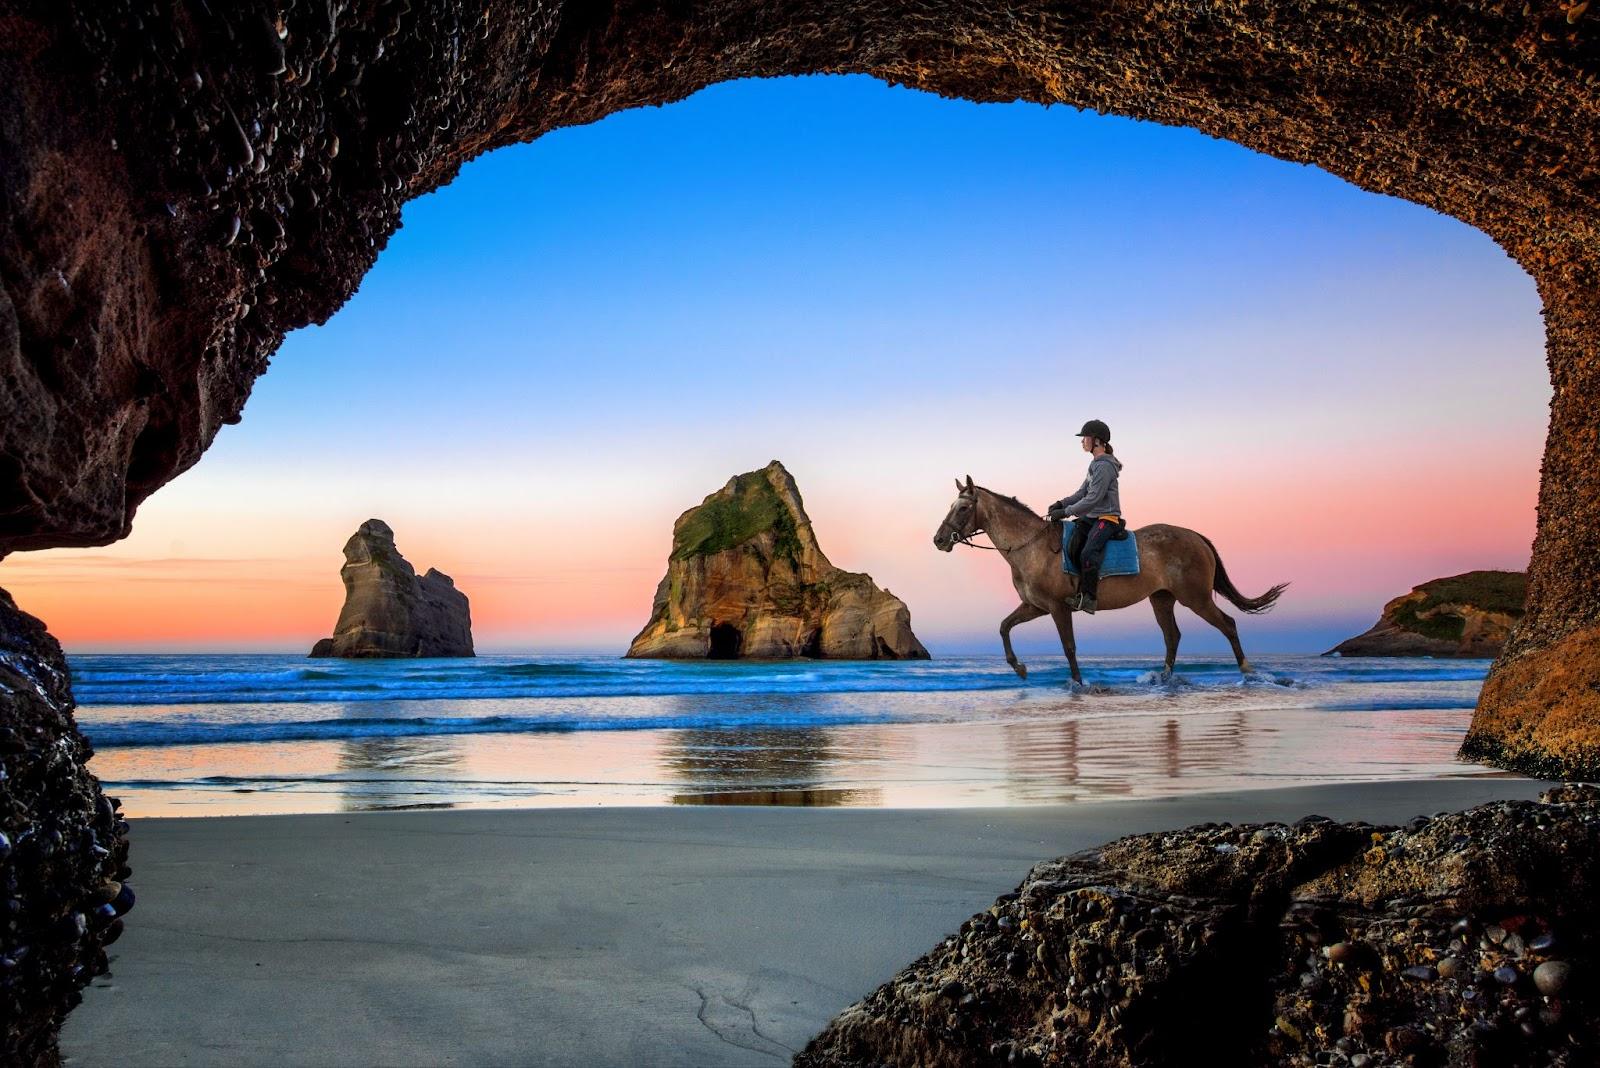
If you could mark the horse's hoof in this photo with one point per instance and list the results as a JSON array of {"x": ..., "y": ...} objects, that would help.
[{"x": 1021, "y": 670}]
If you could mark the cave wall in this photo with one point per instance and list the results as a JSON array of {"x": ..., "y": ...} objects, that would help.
[
  {"x": 182, "y": 182},
  {"x": 63, "y": 847},
  {"x": 1539, "y": 712}
]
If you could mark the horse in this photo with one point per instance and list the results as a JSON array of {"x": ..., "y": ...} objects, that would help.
[{"x": 1177, "y": 566}]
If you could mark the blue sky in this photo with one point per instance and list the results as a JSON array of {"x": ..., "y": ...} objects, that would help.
[{"x": 580, "y": 337}]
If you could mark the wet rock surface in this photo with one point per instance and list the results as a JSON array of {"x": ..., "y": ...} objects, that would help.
[
  {"x": 1539, "y": 711},
  {"x": 63, "y": 847},
  {"x": 746, "y": 578},
  {"x": 391, "y": 611},
  {"x": 1462, "y": 939}
]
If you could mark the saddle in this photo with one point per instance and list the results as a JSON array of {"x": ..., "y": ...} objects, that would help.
[{"x": 1122, "y": 554}]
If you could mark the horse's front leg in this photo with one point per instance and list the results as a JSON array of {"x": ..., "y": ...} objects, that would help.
[
  {"x": 1024, "y": 612},
  {"x": 1069, "y": 645}
]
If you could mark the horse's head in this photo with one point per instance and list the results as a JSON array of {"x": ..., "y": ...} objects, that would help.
[{"x": 961, "y": 522}]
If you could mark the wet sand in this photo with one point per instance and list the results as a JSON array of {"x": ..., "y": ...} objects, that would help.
[{"x": 631, "y": 936}]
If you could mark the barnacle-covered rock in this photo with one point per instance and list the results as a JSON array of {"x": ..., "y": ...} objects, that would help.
[
  {"x": 1465, "y": 939},
  {"x": 63, "y": 847}
]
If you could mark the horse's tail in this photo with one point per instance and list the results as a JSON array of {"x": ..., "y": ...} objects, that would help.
[{"x": 1224, "y": 585}]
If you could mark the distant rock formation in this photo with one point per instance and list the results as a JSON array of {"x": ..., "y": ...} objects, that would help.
[
  {"x": 1466, "y": 615},
  {"x": 389, "y": 611},
  {"x": 746, "y": 578}
]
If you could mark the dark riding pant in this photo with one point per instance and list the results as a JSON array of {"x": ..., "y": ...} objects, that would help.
[{"x": 1088, "y": 549}]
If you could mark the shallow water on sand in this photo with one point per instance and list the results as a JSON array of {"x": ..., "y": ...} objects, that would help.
[{"x": 225, "y": 735}]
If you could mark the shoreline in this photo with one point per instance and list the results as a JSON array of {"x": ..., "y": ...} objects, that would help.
[
  {"x": 891, "y": 736},
  {"x": 694, "y": 935},
  {"x": 816, "y": 798}
]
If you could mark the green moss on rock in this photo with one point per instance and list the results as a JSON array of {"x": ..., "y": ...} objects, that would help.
[
  {"x": 1431, "y": 615},
  {"x": 723, "y": 523},
  {"x": 1446, "y": 626},
  {"x": 1487, "y": 591}
]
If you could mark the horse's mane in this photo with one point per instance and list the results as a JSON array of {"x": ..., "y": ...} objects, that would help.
[{"x": 1002, "y": 498}]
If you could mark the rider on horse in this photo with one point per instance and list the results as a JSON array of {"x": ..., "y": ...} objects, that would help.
[{"x": 1098, "y": 509}]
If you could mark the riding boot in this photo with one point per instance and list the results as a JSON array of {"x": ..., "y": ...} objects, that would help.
[
  {"x": 1089, "y": 580},
  {"x": 1094, "y": 552}
]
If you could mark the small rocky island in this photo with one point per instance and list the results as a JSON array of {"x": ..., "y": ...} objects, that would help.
[
  {"x": 389, "y": 611},
  {"x": 746, "y": 579},
  {"x": 1466, "y": 615}
]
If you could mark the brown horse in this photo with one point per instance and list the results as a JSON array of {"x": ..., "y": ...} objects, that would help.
[{"x": 1176, "y": 566}]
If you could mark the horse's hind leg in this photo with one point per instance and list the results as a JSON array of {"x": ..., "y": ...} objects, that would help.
[
  {"x": 1023, "y": 613},
  {"x": 1207, "y": 610},
  {"x": 1163, "y": 601},
  {"x": 1069, "y": 645}
]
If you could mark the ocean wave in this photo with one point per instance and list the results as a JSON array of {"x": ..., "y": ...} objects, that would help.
[
  {"x": 195, "y": 700},
  {"x": 100, "y": 681},
  {"x": 1404, "y": 704}
]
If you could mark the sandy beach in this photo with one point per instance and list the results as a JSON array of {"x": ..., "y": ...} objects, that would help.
[{"x": 672, "y": 936}]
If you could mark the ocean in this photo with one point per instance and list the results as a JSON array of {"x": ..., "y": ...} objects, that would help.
[{"x": 250, "y": 734}]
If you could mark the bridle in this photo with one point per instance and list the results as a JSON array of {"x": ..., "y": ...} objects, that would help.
[{"x": 966, "y": 539}]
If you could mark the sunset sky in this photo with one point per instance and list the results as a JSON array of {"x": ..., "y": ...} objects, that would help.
[{"x": 581, "y": 337}]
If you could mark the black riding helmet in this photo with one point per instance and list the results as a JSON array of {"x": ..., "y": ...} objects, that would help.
[{"x": 1094, "y": 428}]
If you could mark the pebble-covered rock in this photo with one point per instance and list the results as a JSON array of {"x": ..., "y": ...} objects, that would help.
[
  {"x": 1294, "y": 950},
  {"x": 63, "y": 875}
]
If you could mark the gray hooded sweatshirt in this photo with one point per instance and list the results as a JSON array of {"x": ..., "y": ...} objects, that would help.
[{"x": 1098, "y": 494}]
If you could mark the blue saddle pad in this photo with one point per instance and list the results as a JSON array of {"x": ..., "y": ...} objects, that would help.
[{"x": 1122, "y": 556}]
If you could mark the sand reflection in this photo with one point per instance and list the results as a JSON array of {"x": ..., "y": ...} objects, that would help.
[
  {"x": 1077, "y": 757},
  {"x": 385, "y": 772},
  {"x": 1000, "y": 748},
  {"x": 763, "y": 766}
]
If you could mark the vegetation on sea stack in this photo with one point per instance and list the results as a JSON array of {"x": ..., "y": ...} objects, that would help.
[
  {"x": 1468, "y": 615},
  {"x": 722, "y": 523},
  {"x": 1436, "y": 614},
  {"x": 747, "y": 579}
]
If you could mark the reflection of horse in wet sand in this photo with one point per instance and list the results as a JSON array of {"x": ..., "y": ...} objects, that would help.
[{"x": 1176, "y": 566}]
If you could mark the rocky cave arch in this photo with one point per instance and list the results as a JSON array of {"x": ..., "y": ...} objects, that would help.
[
  {"x": 726, "y": 642},
  {"x": 185, "y": 181}
]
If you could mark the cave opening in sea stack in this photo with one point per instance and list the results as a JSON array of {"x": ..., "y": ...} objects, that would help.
[{"x": 726, "y": 640}]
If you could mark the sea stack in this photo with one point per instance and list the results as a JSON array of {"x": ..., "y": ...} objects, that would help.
[
  {"x": 1466, "y": 615},
  {"x": 746, "y": 579},
  {"x": 389, "y": 611}
]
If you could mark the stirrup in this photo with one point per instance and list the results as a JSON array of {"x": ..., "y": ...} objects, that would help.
[{"x": 1086, "y": 604}]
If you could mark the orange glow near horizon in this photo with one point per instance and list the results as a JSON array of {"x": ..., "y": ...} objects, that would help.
[{"x": 544, "y": 582}]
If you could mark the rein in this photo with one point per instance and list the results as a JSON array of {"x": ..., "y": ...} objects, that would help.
[
  {"x": 969, "y": 543},
  {"x": 966, "y": 539}
]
